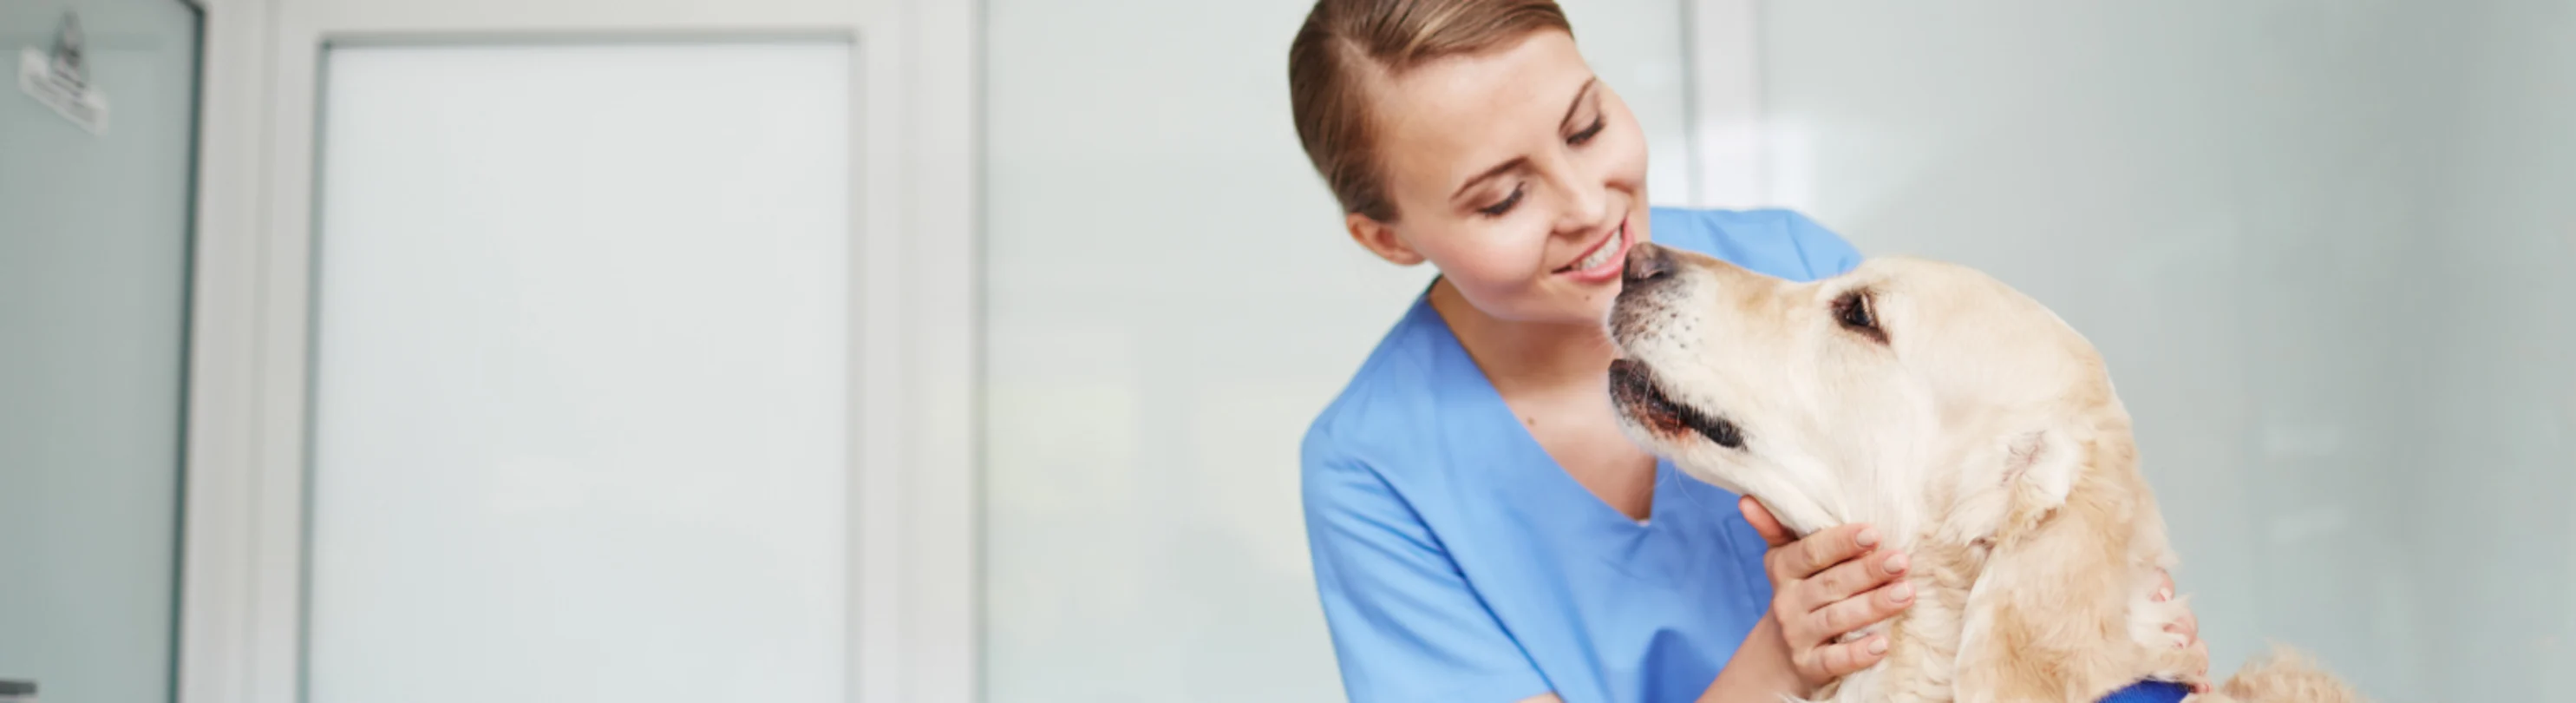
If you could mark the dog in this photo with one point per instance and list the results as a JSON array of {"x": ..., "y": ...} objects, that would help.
[{"x": 1977, "y": 430}]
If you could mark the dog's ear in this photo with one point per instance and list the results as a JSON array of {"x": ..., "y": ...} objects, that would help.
[
  {"x": 2017, "y": 477},
  {"x": 2040, "y": 467}
]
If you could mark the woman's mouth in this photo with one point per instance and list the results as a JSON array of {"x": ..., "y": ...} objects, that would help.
[{"x": 1601, "y": 264}]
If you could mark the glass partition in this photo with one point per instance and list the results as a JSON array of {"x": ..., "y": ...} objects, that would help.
[{"x": 95, "y": 233}]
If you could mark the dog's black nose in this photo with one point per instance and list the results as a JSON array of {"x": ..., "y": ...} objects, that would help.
[{"x": 1647, "y": 262}]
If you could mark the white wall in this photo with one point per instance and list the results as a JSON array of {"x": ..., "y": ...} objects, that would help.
[
  {"x": 2495, "y": 458},
  {"x": 1171, "y": 300},
  {"x": 2320, "y": 247}
]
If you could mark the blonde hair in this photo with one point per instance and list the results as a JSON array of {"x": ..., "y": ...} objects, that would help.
[{"x": 1347, "y": 43}]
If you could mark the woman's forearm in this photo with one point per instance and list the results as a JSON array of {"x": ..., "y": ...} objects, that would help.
[{"x": 1760, "y": 672}]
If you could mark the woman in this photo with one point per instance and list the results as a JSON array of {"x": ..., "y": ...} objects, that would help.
[{"x": 1480, "y": 528}]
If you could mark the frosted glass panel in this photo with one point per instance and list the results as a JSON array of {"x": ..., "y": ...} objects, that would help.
[
  {"x": 580, "y": 426},
  {"x": 1171, "y": 298},
  {"x": 94, "y": 242},
  {"x": 2324, "y": 250}
]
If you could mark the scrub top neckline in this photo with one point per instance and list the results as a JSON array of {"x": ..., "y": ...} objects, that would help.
[{"x": 1489, "y": 399}]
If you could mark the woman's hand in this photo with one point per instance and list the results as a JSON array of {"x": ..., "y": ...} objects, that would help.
[
  {"x": 1833, "y": 582},
  {"x": 2188, "y": 628}
]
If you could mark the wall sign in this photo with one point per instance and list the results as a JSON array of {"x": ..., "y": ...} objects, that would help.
[{"x": 57, "y": 78}]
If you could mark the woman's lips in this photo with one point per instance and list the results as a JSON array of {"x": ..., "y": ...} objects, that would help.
[{"x": 1602, "y": 262}]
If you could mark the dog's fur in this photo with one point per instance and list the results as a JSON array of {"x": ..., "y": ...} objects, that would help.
[{"x": 1971, "y": 425}]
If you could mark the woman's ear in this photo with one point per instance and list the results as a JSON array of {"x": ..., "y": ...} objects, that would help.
[{"x": 1380, "y": 239}]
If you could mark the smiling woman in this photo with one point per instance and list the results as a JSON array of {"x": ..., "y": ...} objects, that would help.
[{"x": 1481, "y": 529}]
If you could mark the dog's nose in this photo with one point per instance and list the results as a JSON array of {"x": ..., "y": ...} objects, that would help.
[{"x": 1647, "y": 262}]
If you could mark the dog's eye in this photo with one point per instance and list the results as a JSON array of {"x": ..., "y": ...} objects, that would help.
[{"x": 1854, "y": 310}]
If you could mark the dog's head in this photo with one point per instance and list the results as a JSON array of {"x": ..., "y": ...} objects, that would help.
[{"x": 1867, "y": 396}]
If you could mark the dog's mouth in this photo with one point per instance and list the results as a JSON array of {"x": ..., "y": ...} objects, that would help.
[{"x": 1634, "y": 392}]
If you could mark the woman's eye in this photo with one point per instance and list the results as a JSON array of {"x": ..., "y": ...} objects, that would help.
[
  {"x": 1588, "y": 133},
  {"x": 1497, "y": 209}
]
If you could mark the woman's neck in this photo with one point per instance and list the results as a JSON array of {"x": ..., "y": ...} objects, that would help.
[{"x": 1524, "y": 355}]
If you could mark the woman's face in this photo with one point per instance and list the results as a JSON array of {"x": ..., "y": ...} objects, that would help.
[{"x": 1518, "y": 174}]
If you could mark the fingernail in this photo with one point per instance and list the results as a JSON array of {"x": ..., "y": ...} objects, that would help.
[
  {"x": 1877, "y": 645},
  {"x": 1896, "y": 563},
  {"x": 1901, "y": 593},
  {"x": 1869, "y": 537}
]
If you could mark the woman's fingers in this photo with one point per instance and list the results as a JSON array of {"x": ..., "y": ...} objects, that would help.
[
  {"x": 1839, "y": 659},
  {"x": 1817, "y": 552},
  {"x": 1851, "y": 578},
  {"x": 2200, "y": 679},
  {"x": 2188, "y": 627},
  {"x": 1760, "y": 518},
  {"x": 1827, "y": 584},
  {"x": 1857, "y": 612}
]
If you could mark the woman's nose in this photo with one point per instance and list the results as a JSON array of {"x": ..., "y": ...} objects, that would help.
[
  {"x": 1646, "y": 262},
  {"x": 1586, "y": 201}
]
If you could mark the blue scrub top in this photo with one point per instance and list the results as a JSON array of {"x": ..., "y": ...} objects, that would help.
[{"x": 1458, "y": 562}]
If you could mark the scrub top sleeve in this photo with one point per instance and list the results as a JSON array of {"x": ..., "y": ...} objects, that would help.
[
  {"x": 1825, "y": 253},
  {"x": 1406, "y": 626}
]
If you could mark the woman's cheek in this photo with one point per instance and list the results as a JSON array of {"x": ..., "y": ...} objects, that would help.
[
  {"x": 1626, "y": 161},
  {"x": 1498, "y": 276}
]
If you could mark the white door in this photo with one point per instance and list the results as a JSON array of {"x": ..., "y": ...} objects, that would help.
[{"x": 584, "y": 363}]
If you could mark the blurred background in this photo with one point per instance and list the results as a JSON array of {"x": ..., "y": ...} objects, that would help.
[{"x": 894, "y": 350}]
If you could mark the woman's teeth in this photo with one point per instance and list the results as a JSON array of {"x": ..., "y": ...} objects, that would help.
[{"x": 1602, "y": 254}]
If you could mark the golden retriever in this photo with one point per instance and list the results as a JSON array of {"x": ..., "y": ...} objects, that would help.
[{"x": 1977, "y": 430}]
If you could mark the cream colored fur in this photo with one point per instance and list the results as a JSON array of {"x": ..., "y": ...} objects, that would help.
[{"x": 1981, "y": 434}]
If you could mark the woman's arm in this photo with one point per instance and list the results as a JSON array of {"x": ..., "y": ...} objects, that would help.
[{"x": 1760, "y": 672}]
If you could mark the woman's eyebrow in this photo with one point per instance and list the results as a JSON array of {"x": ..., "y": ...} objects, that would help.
[
  {"x": 1520, "y": 161},
  {"x": 1577, "y": 105},
  {"x": 1499, "y": 169}
]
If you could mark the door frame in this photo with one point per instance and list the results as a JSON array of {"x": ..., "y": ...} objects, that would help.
[
  {"x": 1730, "y": 160},
  {"x": 915, "y": 549}
]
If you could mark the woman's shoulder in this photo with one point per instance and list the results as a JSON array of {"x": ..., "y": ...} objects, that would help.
[
  {"x": 1379, "y": 396},
  {"x": 1775, "y": 242},
  {"x": 1390, "y": 407}
]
